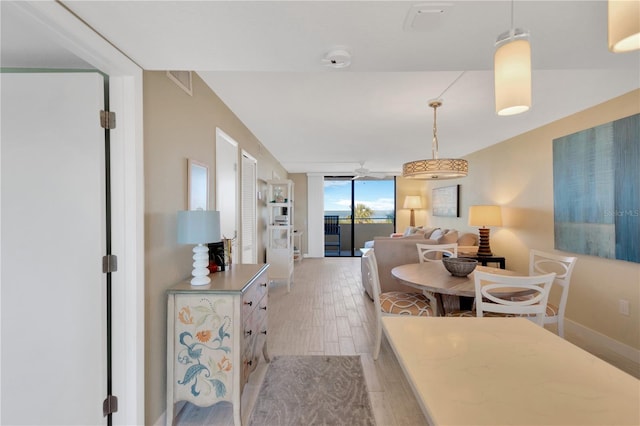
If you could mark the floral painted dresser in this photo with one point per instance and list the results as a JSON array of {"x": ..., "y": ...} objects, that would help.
[{"x": 215, "y": 334}]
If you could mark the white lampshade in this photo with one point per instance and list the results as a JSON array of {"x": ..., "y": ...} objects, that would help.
[
  {"x": 485, "y": 216},
  {"x": 412, "y": 202},
  {"x": 512, "y": 73},
  {"x": 624, "y": 25},
  {"x": 199, "y": 227}
]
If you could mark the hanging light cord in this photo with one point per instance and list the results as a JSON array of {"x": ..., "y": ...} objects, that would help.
[
  {"x": 435, "y": 104},
  {"x": 512, "y": 30},
  {"x": 449, "y": 86},
  {"x": 434, "y": 143}
]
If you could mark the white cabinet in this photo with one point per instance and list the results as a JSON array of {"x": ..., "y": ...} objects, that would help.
[
  {"x": 280, "y": 230},
  {"x": 215, "y": 335}
]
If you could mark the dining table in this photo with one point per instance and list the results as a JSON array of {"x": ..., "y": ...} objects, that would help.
[
  {"x": 435, "y": 278},
  {"x": 507, "y": 371}
]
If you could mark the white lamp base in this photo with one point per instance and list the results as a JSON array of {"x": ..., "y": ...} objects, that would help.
[{"x": 200, "y": 265}]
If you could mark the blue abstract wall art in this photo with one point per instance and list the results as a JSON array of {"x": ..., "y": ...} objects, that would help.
[{"x": 596, "y": 190}]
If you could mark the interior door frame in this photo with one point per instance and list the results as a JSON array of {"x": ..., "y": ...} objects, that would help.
[
  {"x": 127, "y": 185},
  {"x": 251, "y": 188},
  {"x": 222, "y": 163}
]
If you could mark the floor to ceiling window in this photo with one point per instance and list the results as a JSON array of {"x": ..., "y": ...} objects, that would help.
[{"x": 356, "y": 211}]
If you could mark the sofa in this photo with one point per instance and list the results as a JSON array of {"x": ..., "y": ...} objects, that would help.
[{"x": 394, "y": 251}]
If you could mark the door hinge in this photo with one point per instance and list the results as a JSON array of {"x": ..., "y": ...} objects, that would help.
[
  {"x": 110, "y": 405},
  {"x": 109, "y": 263},
  {"x": 107, "y": 119}
]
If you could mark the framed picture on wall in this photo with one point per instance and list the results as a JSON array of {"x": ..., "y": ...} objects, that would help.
[
  {"x": 444, "y": 201},
  {"x": 198, "y": 185}
]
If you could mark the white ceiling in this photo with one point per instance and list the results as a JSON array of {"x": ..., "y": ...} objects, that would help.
[{"x": 264, "y": 60}]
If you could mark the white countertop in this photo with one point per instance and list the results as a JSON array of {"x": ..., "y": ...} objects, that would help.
[{"x": 499, "y": 371}]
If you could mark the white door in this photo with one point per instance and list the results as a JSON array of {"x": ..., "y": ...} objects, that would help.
[
  {"x": 249, "y": 238},
  {"x": 52, "y": 241},
  {"x": 227, "y": 186}
]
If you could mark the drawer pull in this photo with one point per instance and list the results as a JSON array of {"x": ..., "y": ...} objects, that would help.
[
  {"x": 263, "y": 284},
  {"x": 249, "y": 363},
  {"x": 248, "y": 333},
  {"x": 264, "y": 332},
  {"x": 248, "y": 303},
  {"x": 264, "y": 308}
]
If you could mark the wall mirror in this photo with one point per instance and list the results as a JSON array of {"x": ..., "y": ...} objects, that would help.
[{"x": 198, "y": 185}]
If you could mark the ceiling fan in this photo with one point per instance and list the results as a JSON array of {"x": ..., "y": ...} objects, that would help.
[{"x": 362, "y": 172}]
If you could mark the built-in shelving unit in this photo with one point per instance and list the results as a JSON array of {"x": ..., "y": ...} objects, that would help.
[{"x": 280, "y": 229}]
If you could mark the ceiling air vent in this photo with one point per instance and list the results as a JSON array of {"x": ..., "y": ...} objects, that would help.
[
  {"x": 426, "y": 16},
  {"x": 182, "y": 79}
]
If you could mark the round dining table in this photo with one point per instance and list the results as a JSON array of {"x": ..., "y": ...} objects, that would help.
[{"x": 433, "y": 277}]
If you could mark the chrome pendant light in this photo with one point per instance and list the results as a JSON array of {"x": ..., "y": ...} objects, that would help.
[
  {"x": 624, "y": 25},
  {"x": 512, "y": 71},
  {"x": 436, "y": 168}
]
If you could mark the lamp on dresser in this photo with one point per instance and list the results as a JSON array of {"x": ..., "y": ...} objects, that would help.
[
  {"x": 412, "y": 202},
  {"x": 199, "y": 227},
  {"x": 485, "y": 216}
]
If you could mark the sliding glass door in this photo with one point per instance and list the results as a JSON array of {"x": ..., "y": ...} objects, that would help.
[{"x": 356, "y": 211}]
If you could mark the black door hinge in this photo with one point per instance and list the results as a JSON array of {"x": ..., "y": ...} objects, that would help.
[{"x": 110, "y": 405}]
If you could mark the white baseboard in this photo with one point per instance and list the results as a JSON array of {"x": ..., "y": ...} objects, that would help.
[{"x": 623, "y": 356}]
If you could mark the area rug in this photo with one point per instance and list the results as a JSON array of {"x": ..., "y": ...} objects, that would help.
[{"x": 313, "y": 390}]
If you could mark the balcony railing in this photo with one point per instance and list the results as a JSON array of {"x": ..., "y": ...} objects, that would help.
[{"x": 364, "y": 231}]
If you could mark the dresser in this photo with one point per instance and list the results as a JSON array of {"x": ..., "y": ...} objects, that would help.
[{"x": 215, "y": 335}]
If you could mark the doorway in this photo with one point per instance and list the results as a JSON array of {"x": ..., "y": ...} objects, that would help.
[
  {"x": 362, "y": 208},
  {"x": 249, "y": 235},
  {"x": 227, "y": 187}
]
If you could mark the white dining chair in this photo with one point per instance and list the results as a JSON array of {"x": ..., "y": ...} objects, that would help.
[
  {"x": 543, "y": 263},
  {"x": 434, "y": 253},
  {"x": 533, "y": 307},
  {"x": 393, "y": 302}
]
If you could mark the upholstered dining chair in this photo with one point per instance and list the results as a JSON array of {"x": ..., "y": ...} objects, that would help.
[
  {"x": 542, "y": 263},
  {"x": 390, "y": 303},
  {"x": 533, "y": 307},
  {"x": 434, "y": 253}
]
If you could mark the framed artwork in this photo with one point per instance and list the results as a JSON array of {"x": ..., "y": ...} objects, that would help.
[
  {"x": 444, "y": 201},
  {"x": 596, "y": 182},
  {"x": 198, "y": 185}
]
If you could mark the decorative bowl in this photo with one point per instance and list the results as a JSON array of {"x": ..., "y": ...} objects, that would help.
[{"x": 459, "y": 266}]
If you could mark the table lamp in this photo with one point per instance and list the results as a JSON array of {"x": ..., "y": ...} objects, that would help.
[
  {"x": 412, "y": 202},
  {"x": 485, "y": 216},
  {"x": 199, "y": 227}
]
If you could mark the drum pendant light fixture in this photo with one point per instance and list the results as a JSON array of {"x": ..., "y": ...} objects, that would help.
[
  {"x": 512, "y": 71},
  {"x": 624, "y": 25},
  {"x": 436, "y": 168}
]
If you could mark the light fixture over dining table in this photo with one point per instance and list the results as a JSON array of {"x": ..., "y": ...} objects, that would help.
[{"x": 435, "y": 168}]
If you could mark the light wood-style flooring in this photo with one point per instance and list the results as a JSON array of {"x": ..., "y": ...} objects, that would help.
[{"x": 326, "y": 313}]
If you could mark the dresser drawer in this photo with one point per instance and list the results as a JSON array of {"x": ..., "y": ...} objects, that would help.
[{"x": 252, "y": 296}]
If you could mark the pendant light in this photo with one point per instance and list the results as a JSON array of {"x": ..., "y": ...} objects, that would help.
[
  {"x": 436, "y": 168},
  {"x": 512, "y": 71},
  {"x": 624, "y": 25}
]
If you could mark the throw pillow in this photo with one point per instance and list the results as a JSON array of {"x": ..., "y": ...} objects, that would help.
[
  {"x": 468, "y": 239},
  {"x": 428, "y": 232},
  {"x": 411, "y": 230},
  {"x": 449, "y": 238},
  {"x": 437, "y": 234}
]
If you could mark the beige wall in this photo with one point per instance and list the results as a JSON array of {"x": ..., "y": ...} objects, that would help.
[
  {"x": 176, "y": 127},
  {"x": 518, "y": 175}
]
